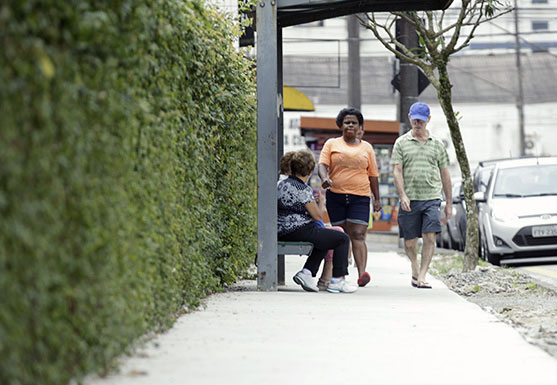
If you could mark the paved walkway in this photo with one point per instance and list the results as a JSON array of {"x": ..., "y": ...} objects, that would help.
[{"x": 385, "y": 334}]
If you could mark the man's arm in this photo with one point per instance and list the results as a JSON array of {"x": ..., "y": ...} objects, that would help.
[
  {"x": 399, "y": 185},
  {"x": 448, "y": 189}
]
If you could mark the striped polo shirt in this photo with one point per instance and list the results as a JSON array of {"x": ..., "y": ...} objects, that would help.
[{"x": 420, "y": 165}]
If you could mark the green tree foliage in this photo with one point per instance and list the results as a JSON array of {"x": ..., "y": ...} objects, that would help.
[{"x": 127, "y": 176}]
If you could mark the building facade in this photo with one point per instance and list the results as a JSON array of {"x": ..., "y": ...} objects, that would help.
[{"x": 484, "y": 77}]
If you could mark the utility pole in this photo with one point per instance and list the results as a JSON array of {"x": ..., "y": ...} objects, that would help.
[
  {"x": 354, "y": 80},
  {"x": 408, "y": 75},
  {"x": 520, "y": 95}
]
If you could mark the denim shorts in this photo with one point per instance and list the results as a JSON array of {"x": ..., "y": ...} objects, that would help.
[
  {"x": 347, "y": 208},
  {"x": 424, "y": 217}
]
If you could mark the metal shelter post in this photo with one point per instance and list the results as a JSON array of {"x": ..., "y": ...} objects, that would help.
[
  {"x": 280, "y": 91},
  {"x": 280, "y": 138},
  {"x": 267, "y": 118}
]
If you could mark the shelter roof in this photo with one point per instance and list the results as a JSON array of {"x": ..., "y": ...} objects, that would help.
[{"x": 292, "y": 12}]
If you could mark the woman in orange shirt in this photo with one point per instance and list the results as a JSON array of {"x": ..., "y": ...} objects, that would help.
[{"x": 348, "y": 170}]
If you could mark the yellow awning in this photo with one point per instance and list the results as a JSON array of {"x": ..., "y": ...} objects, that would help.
[{"x": 296, "y": 100}]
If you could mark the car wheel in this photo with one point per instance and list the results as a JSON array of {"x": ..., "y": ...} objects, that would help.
[
  {"x": 455, "y": 243},
  {"x": 481, "y": 247},
  {"x": 449, "y": 243},
  {"x": 486, "y": 255}
]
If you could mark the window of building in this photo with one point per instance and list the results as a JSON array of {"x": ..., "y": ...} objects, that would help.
[{"x": 540, "y": 25}]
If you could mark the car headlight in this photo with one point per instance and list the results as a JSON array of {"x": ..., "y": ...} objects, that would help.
[{"x": 502, "y": 215}]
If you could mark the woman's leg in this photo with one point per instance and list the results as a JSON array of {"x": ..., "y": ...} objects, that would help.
[
  {"x": 324, "y": 239},
  {"x": 327, "y": 272},
  {"x": 357, "y": 233},
  {"x": 340, "y": 256},
  {"x": 357, "y": 218}
]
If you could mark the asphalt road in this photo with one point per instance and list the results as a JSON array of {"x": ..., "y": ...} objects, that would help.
[{"x": 544, "y": 273}]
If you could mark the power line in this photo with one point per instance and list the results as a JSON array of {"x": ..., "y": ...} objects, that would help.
[{"x": 522, "y": 39}]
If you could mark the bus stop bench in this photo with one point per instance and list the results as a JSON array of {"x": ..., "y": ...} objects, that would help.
[{"x": 288, "y": 248}]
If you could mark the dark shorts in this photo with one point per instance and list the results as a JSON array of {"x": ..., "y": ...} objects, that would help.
[
  {"x": 347, "y": 208},
  {"x": 424, "y": 217}
]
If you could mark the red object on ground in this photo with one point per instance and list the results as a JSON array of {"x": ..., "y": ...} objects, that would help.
[{"x": 364, "y": 279}]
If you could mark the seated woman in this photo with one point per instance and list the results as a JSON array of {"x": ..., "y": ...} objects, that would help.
[{"x": 297, "y": 211}]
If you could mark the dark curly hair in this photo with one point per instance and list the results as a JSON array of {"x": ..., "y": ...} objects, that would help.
[
  {"x": 302, "y": 163},
  {"x": 349, "y": 111}
]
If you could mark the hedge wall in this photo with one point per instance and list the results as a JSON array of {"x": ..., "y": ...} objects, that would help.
[{"x": 127, "y": 176}]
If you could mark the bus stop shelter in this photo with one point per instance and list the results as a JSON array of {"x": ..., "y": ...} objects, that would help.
[{"x": 271, "y": 17}]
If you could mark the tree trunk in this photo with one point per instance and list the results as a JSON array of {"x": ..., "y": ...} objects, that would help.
[{"x": 444, "y": 95}]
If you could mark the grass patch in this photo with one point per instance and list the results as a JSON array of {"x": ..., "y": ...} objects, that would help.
[{"x": 445, "y": 264}]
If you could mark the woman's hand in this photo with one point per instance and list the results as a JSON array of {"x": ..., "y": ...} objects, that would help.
[
  {"x": 320, "y": 199},
  {"x": 323, "y": 172},
  {"x": 318, "y": 195},
  {"x": 327, "y": 182},
  {"x": 377, "y": 206}
]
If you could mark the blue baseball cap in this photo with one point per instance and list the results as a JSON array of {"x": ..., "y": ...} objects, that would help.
[{"x": 419, "y": 111}]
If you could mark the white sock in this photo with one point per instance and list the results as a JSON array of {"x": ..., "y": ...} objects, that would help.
[
  {"x": 336, "y": 279},
  {"x": 306, "y": 271}
]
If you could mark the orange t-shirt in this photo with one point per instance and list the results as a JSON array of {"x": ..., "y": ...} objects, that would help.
[{"x": 350, "y": 166}]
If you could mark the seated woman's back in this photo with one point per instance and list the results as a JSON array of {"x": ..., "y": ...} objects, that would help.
[{"x": 292, "y": 195}]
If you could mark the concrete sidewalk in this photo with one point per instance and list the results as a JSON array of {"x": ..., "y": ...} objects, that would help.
[{"x": 385, "y": 334}]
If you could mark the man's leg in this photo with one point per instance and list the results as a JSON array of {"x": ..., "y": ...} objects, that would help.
[
  {"x": 430, "y": 226},
  {"x": 427, "y": 254},
  {"x": 411, "y": 248},
  {"x": 357, "y": 233}
]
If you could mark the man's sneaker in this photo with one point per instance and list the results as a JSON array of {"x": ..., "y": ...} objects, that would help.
[
  {"x": 341, "y": 286},
  {"x": 364, "y": 279},
  {"x": 306, "y": 281}
]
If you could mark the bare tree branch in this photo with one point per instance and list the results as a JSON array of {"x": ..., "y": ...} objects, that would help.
[
  {"x": 476, "y": 25},
  {"x": 425, "y": 33},
  {"x": 403, "y": 53},
  {"x": 429, "y": 22},
  {"x": 440, "y": 27},
  {"x": 373, "y": 26},
  {"x": 457, "y": 26}
]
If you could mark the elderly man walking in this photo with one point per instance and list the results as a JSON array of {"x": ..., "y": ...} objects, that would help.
[{"x": 420, "y": 169}]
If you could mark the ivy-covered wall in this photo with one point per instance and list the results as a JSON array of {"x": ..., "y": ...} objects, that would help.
[{"x": 127, "y": 176}]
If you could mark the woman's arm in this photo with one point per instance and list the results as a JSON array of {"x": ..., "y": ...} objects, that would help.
[
  {"x": 323, "y": 171},
  {"x": 316, "y": 209},
  {"x": 374, "y": 185}
]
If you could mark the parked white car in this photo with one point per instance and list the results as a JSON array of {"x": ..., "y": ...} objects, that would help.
[
  {"x": 453, "y": 233},
  {"x": 518, "y": 211}
]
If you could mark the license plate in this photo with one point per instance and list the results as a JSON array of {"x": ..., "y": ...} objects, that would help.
[{"x": 544, "y": 231}]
